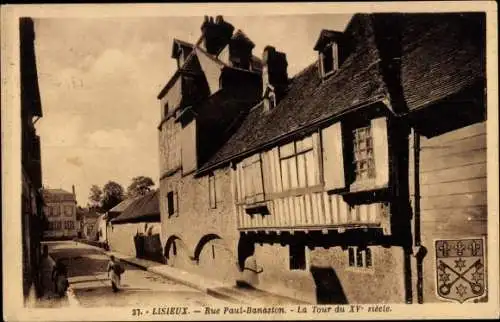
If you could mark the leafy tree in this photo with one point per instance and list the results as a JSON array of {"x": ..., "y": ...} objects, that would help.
[
  {"x": 112, "y": 195},
  {"x": 95, "y": 196},
  {"x": 140, "y": 186}
]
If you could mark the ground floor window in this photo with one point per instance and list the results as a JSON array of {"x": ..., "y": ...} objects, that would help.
[
  {"x": 360, "y": 257},
  {"x": 297, "y": 257}
]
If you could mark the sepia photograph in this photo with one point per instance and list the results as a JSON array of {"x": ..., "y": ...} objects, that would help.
[{"x": 217, "y": 164}]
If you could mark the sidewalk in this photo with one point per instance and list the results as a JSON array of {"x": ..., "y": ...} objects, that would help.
[{"x": 216, "y": 289}]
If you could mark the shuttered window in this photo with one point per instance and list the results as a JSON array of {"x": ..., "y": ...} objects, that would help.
[
  {"x": 381, "y": 150},
  {"x": 333, "y": 157},
  {"x": 253, "y": 187},
  {"x": 172, "y": 207}
]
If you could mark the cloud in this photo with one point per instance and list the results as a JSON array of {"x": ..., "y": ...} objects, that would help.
[
  {"x": 113, "y": 139},
  {"x": 76, "y": 161},
  {"x": 61, "y": 130}
]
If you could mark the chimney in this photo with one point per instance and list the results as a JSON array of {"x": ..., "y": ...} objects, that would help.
[
  {"x": 216, "y": 34},
  {"x": 274, "y": 71},
  {"x": 73, "y": 188}
]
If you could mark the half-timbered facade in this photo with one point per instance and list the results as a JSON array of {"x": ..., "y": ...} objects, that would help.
[{"x": 336, "y": 184}]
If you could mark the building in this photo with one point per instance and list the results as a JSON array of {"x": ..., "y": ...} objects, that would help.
[
  {"x": 335, "y": 185},
  {"x": 90, "y": 222},
  {"x": 136, "y": 230},
  {"x": 204, "y": 102},
  {"x": 60, "y": 209},
  {"x": 102, "y": 228},
  {"x": 33, "y": 220}
]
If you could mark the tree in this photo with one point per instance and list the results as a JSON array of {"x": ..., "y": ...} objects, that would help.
[
  {"x": 112, "y": 194},
  {"x": 95, "y": 196},
  {"x": 140, "y": 186}
]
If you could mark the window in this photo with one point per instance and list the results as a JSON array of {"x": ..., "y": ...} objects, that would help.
[
  {"x": 57, "y": 225},
  {"x": 211, "y": 191},
  {"x": 69, "y": 225},
  {"x": 329, "y": 59},
  {"x": 297, "y": 258},
  {"x": 270, "y": 101},
  {"x": 360, "y": 257},
  {"x": 171, "y": 203},
  {"x": 363, "y": 160},
  {"x": 55, "y": 210},
  {"x": 165, "y": 110},
  {"x": 253, "y": 181},
  {"x": 298, "y": 168},
  {"x": 68, "y": 210}
]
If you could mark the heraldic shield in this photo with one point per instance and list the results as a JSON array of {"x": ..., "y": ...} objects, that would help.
[{"x": 460, "y": 269}]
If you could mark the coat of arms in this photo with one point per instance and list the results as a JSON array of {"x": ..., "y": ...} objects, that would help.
[{"x": 460, "y": 270}]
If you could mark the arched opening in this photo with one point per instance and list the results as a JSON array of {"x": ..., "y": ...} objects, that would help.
[
  {"x": 215, "y": 258},
  {"x": 176, "y": 253},
  {"x": 203, "y": 241}
]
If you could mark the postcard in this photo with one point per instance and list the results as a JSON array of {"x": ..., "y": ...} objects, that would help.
[{"x": 319, "y": 161}]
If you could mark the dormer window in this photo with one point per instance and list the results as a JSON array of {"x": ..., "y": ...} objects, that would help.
[
  {"x": 269, "y": 99},
  {"x": 327, "y": 47},
  {"x": 328, "y": 59}
]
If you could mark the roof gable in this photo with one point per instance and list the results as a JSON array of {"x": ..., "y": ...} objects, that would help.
[{"x": 142, "y": 209}]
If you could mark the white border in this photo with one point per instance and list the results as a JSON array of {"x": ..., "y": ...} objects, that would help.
[{"x": 11, "y": 171}]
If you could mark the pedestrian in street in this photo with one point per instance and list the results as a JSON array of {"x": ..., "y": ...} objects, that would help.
[
  {"x": 60, "y": 278},
  {"x": 114, "y": 272}
]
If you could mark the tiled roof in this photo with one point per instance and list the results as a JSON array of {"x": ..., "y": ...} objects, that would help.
[
  {"x": 119, "y": 208},
  {"x": 57, "y": 192},
  {"x": 142, "y": 209},
  {"x": 309, "y": 99},
  {"x": 442, "y": 54},
  {"x": 439, "y": 56}
]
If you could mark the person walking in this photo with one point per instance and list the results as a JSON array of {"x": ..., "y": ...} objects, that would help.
[{"x": 114, "y": 273}]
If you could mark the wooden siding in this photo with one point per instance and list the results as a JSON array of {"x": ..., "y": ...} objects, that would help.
[
  {"x": 452, "y": 174},
  {"x": 453, "y": 191},
  {"x": 311, "y": 210},
  {"x": 304, "y": 207}
]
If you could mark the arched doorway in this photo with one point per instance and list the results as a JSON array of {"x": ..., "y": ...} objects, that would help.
[
  {"x": 215, "y": 258},
  {"x": 176, "y": 253}
]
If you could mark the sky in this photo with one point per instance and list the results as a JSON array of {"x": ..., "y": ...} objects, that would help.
[{"x": 99, "y": 80}]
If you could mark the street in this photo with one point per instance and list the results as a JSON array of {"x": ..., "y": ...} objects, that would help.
[{"x": 90, "y": 286}]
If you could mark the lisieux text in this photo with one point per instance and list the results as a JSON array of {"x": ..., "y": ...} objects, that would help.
[{"x": 314, "y": 310}]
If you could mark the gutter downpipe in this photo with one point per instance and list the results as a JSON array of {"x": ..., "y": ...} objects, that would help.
[{"x": 420, "y": 251}]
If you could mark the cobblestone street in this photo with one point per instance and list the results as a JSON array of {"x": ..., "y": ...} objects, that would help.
[{"x": 90, "y": 287}]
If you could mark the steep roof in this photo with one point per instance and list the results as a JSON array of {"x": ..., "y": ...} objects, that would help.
[
  {"x": 310, "y": 99},
  {"x": 439, "y": 56},
  {"x": 142, "y": 209},
  {"x": 119, "y": 208},
  {"x": 57, "y": 192},
  {"x": 442, "y": 54}
]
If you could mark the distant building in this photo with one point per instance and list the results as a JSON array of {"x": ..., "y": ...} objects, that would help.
[
  {"x": 32, "y": 218},
  {"x": 60, "y": 209},
  {"x": 332, "y": 186},
  {"x": 90, "y": 229},
  {"x": 136, "y": 230}
]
